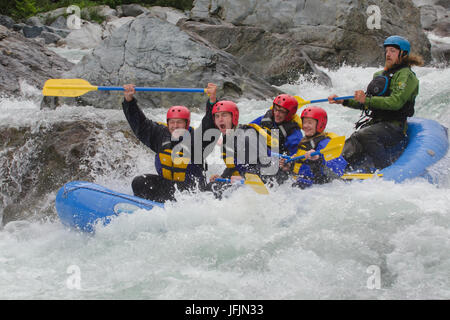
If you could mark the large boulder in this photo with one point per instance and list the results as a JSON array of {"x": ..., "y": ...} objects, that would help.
[
  {"x": 148, "y": 51},
  {"x": 37, "y": 160},
  {"x": 110, "y": 26},
  {"x": 102, "y": 11},
  {"x": 169, "y": 14},
  {"x": 273, "y": 57},
  {"x": 50, "y": 16},
  {"x": 6, "y": 21},
  {"x": 24, "y": 59},
  {"x": 331, "y": 32},
  {"x": 87, "y": 37},
  {"x": 131, "y": 10}
]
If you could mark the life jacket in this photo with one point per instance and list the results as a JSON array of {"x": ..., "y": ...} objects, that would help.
[
  {"x": 172, "y": 169},
  {"x": 380, "y": 86},
  {"x": 310, "y": 144},
  {"x": 229, "y": 158},
  {"x": 285, "y": 129},
  {"x": 229, "y": 161}
]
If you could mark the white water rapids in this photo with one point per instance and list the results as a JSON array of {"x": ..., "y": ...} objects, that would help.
[{"x": 360, "y": 240}]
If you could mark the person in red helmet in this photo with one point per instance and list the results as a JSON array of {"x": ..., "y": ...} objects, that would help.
[
  {"x": 244, "y": 149},
  {"x": 180, "y": 172},
  {"x": 281, "y": 117},
  {"x": 251, "y": 155},
  {"x": 314, "y": 169}
]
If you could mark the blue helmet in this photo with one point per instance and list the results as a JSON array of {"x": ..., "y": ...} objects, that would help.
[{"x": 398, "y": 42}]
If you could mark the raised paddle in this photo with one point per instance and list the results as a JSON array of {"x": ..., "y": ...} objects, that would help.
[
  {"x": 302, "y": 102},
  {"x": 252, "y": 180},
  {"x": 78, "y": 87}
]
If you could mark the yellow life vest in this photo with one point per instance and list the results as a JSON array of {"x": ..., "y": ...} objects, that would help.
[
  {"x": 229, "y": 162},
  {"x": 297, "y": 119},
  {"x": 173, "y": 169},
  {"x": 271, "y": 142},
  {"x": 301, "y": 152}
]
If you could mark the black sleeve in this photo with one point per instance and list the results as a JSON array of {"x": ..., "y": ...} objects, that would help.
[
  {"x": 147, "y": 131},
  {"x": 227, "y": 173},
  {"x": 207, "y": 146},
  {"x": 208, "y": 120}
]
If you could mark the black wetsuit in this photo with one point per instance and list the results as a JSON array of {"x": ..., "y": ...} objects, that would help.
[{"x": 161, "y": 187}]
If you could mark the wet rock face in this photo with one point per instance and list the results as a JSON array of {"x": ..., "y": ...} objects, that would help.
[
  {"x": 26, "y": 59},
  {"x": 331, "y": 32},
  {"x": 435, "y": 19},
  {"x": 36, "y": 162},
  {"x": 275, "y": 58},
  {"x": 150, "y": 52}
]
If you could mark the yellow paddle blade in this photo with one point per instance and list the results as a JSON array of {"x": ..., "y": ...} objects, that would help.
[
  {"x": 67, "y": 87},
  {"x": 360, "y": 176},
  {"x": 297, "y": 119},
  {"x": 333, "y": 148},
  {"x": 301, "y": 101},
  {"x": 256, "y": 183}
]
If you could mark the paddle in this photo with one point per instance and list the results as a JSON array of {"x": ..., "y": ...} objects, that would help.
[
  {"x": 78, "y": 87},
  {"x": 302, "y": 102},
  {"x": 252, "y": 180},
  {"x": 361, "y": 176},
  {"x": 331, "y": 151}
]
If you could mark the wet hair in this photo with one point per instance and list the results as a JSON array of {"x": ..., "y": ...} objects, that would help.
[{"x": 412, "y": 60}]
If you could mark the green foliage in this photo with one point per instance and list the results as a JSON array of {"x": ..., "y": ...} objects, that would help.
[
  {"x": 24, "y": 9},
  {"x": 21, "y": 9},
  {"x": 93, "y": 16}
]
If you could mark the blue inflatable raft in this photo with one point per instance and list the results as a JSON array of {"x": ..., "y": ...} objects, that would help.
[
  {"x": 427, "y": 144},
  {"x": 81, "y": 205}
]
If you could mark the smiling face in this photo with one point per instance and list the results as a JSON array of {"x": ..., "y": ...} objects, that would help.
[
  {"x": 223, "y": 121},
  {"x": 309, "y": 126},
  {"x": 392, "y": 57},
  {"x": 176, "y": 127},
  {"x": 279, "y": 113}
]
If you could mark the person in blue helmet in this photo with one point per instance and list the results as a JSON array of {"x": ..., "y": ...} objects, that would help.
[{"x": 387, "y": 103}]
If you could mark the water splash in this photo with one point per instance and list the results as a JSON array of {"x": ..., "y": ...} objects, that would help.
[{"x": 292, "y": 244}]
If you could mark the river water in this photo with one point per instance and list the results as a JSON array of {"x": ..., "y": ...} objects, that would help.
[{"x": 360, "y": 240}]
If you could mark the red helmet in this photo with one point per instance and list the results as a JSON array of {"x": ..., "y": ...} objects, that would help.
[
  {"x": 289, "y": 103},
  {"x": 227, "y": 106},
  {"x": 316, "y": 113},
  {"x": 179, "y": 112}
]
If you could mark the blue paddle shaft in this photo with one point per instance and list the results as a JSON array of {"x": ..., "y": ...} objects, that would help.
[
  {"x": 289, "y": 159},
  {"x": 279, "y": 155},
  {"x": 228, "y": 180},
  {"x": 100, "y": 88},
  {"x": 315, "y": 153},
  {"x": 337, "y": 98}
]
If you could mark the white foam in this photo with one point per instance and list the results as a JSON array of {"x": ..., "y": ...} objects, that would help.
[{"x": 292, "y": 244}]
